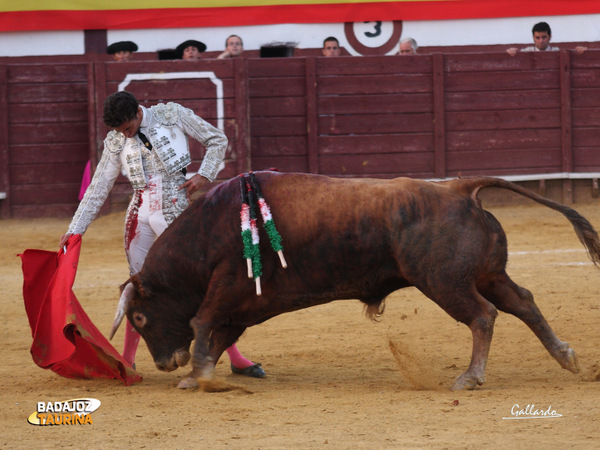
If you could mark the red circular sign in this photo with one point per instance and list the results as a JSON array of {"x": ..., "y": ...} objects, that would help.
[{"x": 379, "y": 50}]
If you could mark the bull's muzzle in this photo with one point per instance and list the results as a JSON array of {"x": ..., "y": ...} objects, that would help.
[{"x": 179, "y": 359}]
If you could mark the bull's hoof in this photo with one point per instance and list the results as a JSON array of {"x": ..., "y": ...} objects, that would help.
[
  {"x": 188, "y": 383},
  {"x": 255, "y": 371},
  {"x": 468, "y": 382},
  {"x": 570, "y": 361}
]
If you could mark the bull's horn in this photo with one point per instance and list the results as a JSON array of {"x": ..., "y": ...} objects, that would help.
[{"x": 126, "y": 297}]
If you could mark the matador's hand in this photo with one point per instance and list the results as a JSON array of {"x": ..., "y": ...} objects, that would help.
[{"x": 193, "y": 184}]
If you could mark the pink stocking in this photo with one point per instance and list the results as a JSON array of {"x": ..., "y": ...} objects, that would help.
[
  {"x": 132, "y": 338},
  {"x": 236, "y": 358}
]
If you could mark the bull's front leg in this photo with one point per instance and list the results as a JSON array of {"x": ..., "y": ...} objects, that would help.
[{"x": 203, "y": 365}]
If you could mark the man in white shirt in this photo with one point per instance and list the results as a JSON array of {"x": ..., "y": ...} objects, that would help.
[{"x": 541, "y": 38}]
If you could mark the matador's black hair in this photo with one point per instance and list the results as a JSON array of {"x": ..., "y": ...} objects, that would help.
[{"x": 119, "y": 108}]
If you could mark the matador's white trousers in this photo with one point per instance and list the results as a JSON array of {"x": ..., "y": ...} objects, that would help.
[{"x": 143, "y": 224}]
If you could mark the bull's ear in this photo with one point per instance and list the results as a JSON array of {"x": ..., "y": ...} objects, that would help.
[
  {"x": 139, "y": 286},
  {"x": 123, "y": 285}
]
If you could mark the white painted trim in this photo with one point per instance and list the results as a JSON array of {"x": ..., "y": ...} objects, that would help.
[
  {"x": 538, "y": 176},
  {"x": 182, "y": 75}
]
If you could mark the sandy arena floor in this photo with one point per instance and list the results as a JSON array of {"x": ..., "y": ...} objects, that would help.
[{"x": 335, "y": 379}]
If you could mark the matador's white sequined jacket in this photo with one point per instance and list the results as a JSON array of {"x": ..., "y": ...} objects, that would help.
[{"x": 167, "y": 127}]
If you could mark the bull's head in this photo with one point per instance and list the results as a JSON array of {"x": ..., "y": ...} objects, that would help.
[{"x": 157, "y": 318}]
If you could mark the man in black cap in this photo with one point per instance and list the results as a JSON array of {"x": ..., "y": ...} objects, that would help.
[
  {"x": 190, "y": 50},
  {"x": 122, "y": 50}
]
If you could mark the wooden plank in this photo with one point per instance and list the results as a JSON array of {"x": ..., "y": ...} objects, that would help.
[
  {"x": 392, "y": 165},
  {"x": 209, "y": 111},
  {"x": 276, "y": 67},
  {"x": 585, "y": 60},
  {"x": 586, "y": 159},
  {"x": 503, "y": 120},
  {"x": 501, "y": 139},
  {"x": 585, "y": 137},
  {"x": 34, "y": 194},
  {"x": 52, "y": 133},
  {"x": 377, "y": 84},
  {"x": 242, "y": 116},
  {"x": 230, "y": 170},
  {"x": 498, "y": 100},
  {"x": 491, "y": 62},
  {"x": 498, "y": 81},
  {"x": 585, "y": 98},
  {"x": 586, "y": 78},
  {"x": 48, "y": 93},
  {"x": 378, "y": 103},
  {"x": 46, "y": 112},
  {"x": 281, "y": 163},
  {"x": 374, "y": 65},
  {"x": 179, "y": 91},
  {"x": 37, "y": 211},
  {"x": 501, "y": 172},
  {"x": 312, "y": 124},
  {"x": 383, "y": 143},
  {"x": 376, "y": 124},
  {"x": 278, "y": 126},
  {"x": 276, "y": 87},
  {"x": 91, "y": 114},
  {"x": 117, "y": 71},
  {"x": 566, "y": 128},
  {"x": 278, "y": 146},
  {"x": 207, "y": 108},
  {"x": 49, "y": 153},
  {"x": 439, "y": 116},
  {"x": 5, "y": 181},
  {"x": 531, "y": 159},
  {"x": 100, "y": 95},
  {"x": 277, "y": 106},
  {"x": 47, "y": 73},
  {"x": 46, "y": 174}
]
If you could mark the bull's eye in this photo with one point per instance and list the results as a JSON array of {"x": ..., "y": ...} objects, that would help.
[{"x": 139, "y": 319}]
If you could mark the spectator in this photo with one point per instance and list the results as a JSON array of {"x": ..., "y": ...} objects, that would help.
[
  {"x": 408, "y": 46},
  {"x": 541, "y": 39},
  {"x": 331, "y": 47},
  {"x": 190, "y": 50},
  {"x": 122, "y": 50},
  {"x": 233, "y": 47}
]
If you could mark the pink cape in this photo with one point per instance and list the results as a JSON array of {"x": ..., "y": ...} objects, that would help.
[
  {"x": 85, "y": 180},
  {"x": 64, "y": 338}
]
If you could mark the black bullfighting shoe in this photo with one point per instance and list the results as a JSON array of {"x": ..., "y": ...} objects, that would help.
[{"x": 255, "y": 371}]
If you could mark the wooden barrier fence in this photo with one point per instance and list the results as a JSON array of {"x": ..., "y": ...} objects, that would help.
[{"x": 532, "y": 117}]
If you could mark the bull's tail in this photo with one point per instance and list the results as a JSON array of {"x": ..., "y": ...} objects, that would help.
[{"x": 583, "y": 228}]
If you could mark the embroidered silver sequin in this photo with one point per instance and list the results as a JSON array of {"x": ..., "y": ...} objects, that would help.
[{"x": 138, "y": 161}]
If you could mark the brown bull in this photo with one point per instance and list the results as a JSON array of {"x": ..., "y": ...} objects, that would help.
[{"x": 344, "y": 239}]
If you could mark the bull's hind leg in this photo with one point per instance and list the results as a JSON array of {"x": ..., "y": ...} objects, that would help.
[
  {"x": 480, "y": 317},
  {"x": 518, "y": 301},
  {"x": 470, "y": 308}
]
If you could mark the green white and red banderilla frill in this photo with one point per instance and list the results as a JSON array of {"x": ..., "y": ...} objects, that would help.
[
  {"x": 251, "y": 196},
  {"x": 250, "y": 236},
  {"x": 269, "y": 224}
]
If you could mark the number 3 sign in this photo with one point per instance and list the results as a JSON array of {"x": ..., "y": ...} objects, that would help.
[{"x": 373, "y": 38}]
